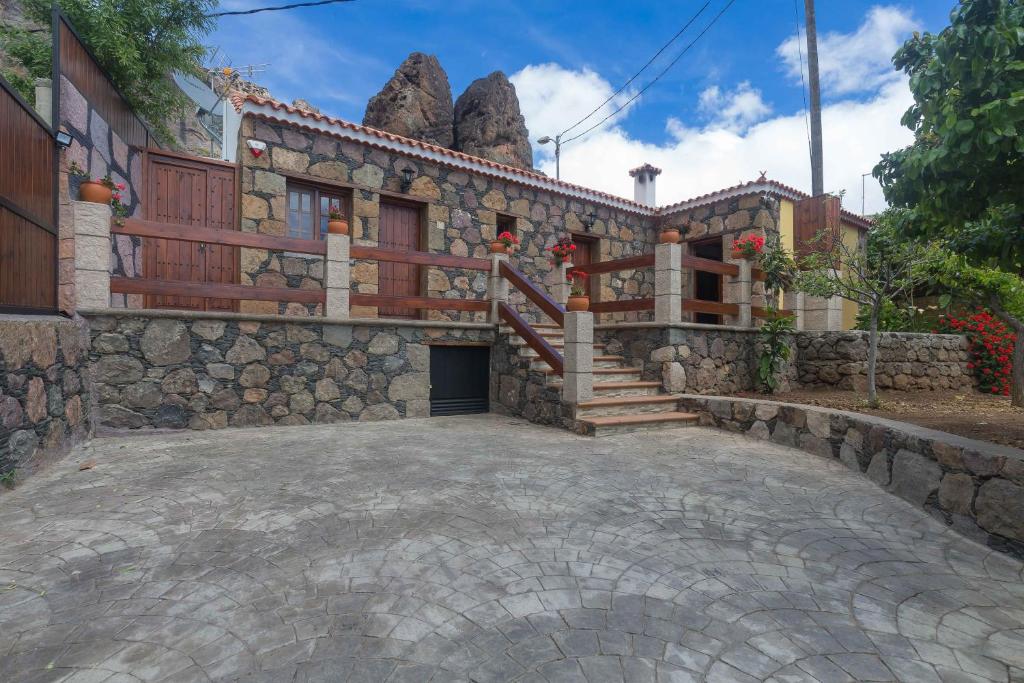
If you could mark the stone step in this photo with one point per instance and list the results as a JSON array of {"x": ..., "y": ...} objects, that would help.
[
  {"x": 620, "y": 424},
  {"x": 607, "y": 406},
  {"x": 527, "y": 351},
  {"x": 609, "y": 374},
  {"x": 602, "y": 362},
  {"x": 633, "y": 388}
]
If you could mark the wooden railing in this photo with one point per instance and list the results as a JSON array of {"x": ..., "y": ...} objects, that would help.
[
  {"x": 538, "y": 297},
  {"x": 420, "y": 258},
  {"x": 536, "y": 342},
  {"x": 627, "y": 263}
]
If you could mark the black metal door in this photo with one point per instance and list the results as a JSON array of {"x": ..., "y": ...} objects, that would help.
[{"x": 459, "y": 379}]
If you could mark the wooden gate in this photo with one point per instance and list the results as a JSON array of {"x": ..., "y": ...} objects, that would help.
[
  {"x": 185, "y": 190},
  {"x": 399, "y": 229}
]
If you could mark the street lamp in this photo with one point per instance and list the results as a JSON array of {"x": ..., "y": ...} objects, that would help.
[
  {"x": 862, "y": 202},
  {"x": 558, "y": 152}
]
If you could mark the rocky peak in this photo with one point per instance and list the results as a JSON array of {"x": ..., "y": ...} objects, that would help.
[
  {"x": 416, "y": 103},
  {"x": 488, "y": 122}
]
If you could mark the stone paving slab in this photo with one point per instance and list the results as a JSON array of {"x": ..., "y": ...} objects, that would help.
[{"x": 487, "y": 549}]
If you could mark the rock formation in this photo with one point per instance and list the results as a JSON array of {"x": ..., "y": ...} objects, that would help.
[
  {"x": 488, "y": 122},
  {"x": 415, "y": 103}
]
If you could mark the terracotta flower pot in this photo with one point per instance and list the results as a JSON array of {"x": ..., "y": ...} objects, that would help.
[
  {"x": 578, "y": 303},
  {"x": 338, "y": 227},
  {"x": 92, "y": 191},
  {"x": 498, "y": 247},
  {"x": 669, "y": 237},
  {"x": 738, "y": 254}
]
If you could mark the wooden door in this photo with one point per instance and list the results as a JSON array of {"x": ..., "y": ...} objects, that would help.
[
  {"x": 707, "y": 286},
  {"x": 587, "y": 252},
  {"x": 399, "y": 229},
  {"x": 185, "y": 190}
]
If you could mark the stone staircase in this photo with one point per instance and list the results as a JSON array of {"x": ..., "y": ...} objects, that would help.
[{"x": 622, "y": 401}]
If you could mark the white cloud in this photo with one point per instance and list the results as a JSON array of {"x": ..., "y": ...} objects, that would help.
[
  {"x": 854, "y": 62},
  {"x": 736, "y": 110}
]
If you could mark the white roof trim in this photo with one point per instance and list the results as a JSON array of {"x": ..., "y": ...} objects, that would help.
[
  {"x": 756, "y": 188},
  {"x": 269, "y": 111}
]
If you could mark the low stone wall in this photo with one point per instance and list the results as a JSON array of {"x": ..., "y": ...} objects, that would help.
[
  {"x": 517, "y": 390},
  {"x": 44, "y": 391},
  {"x": 975, "y": 487},
  {"x": 686, "y": 357},
  {"x": 204, "y": 371},
  {"x": 906, "y": 361}
]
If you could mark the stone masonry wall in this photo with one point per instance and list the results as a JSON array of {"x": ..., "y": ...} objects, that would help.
[
  {"x": 98, "y": 150},
  {"x": 975, "y": 487},
  {"x": 515, "y": 389},
  {"x": 44, "y": 395},
  {"x": 206, "y": 371},
  {"x": 460, "y": 212},
  {"x": 906, "y": 361}
]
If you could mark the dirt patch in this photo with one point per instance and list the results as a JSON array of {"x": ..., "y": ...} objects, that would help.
[{"x": 967, "y": 413}]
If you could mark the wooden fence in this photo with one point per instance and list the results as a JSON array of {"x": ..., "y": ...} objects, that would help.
[{"x": 28, "y": 208}]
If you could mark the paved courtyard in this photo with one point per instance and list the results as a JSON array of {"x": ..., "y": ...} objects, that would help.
[{"x": 487, "y": 549}]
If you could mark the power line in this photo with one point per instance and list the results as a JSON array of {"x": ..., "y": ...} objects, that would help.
[
  {"x": 658, "y": 77},
  {"x": 275, "y": 9},
  {"x": 634, "y": 76},
  {"x": 803, "y": 82}
]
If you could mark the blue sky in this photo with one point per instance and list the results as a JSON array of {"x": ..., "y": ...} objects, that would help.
[{"x": 733, "y": 90}]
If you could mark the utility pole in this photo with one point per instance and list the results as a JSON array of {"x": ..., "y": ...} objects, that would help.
[{"x": 817, "y": 170}]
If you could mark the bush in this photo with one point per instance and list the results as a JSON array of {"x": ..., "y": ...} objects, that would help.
[{"x": 990, "y": 343}]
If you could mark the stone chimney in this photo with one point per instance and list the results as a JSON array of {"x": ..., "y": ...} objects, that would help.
[{"x": 644, "y": 178}]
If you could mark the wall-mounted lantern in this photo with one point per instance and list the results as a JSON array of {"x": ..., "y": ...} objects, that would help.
[
  {"x": 407, "y": 174},
  {"x": 588, "y": 222}
]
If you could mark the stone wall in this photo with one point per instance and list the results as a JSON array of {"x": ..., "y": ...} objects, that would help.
[
  {"x": 459, "y": 210},
  {"x": 975, "y": 487},
  {"x": 44, "y": 394},
  {"x": 515, "y": 389},
  {"x": 906, "y": 361},
  {"x": 204, "y": 371},
  {"x": 98, "y": 150}
]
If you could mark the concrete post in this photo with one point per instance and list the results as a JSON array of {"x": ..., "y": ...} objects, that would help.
[
  {"x": 823, "y": 314},
  {"x": 497, "y": 286},
  {"x": 563, "y": 288},
  {"x": 337, "y": 281},
  {"x": 44, "y": 99},
  {"x": 578, "y": 373},
  {"x": 92, "y": 254},
  {"x": 668, "y": 283},
  {"x": 687, "y": 280},
  {"x": 794, "y": 301},
  {"x": 744, "y": 292}
]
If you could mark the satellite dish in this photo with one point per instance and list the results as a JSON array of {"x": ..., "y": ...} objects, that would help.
[{"x": 197, "y": 91}]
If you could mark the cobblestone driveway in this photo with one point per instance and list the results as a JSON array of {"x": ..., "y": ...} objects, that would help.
[{"x": 487, "y": 549}]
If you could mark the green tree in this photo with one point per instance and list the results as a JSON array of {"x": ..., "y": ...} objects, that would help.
[
  {"x": 138, "y": 42},
  {"x": 962, "y": 179}
]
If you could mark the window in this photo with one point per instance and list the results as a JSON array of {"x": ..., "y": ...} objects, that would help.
[
  {"x": 506, "y": 223},
  {"x": 309, "y": 208}
]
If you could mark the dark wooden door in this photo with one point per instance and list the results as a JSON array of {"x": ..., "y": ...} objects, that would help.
[
  {"x": 399, "y": 229},
  {"x": 189, "y": 191},
  {"x": 587, "y": 252},
  {"x": 459, "y": 380},
  {"x": 707, "y": 286}
]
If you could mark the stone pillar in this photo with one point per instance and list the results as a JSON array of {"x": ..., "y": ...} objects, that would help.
[
  {"x": 688, "y": 284},
  {"x": 823, "y": 314},
  {"x": 336, "y": 280},
  {"x": 44, "y": 100},
  {"x": 563, "y": 288},
  {"x": 668, "y": 283},
  {"x": 92, "y": 255},
  {"x": 497, "y": 286},
  {"x": 794, "y": 301},
  {"x": 744, "y": 292},
  {"x": 578, "y": 373}
]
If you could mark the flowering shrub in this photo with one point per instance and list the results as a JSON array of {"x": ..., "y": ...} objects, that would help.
[
  {"x": 508, "y": 239},
  {"x": 578, "y": 282},
  {"x": 990, "y": 344},
  {"x": 334, "y": 213},
  {"x": 561, "y": 251},
  {"x": 750, "y": 246}
]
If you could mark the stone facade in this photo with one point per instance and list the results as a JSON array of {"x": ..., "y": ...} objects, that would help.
[
  {"x": 459, "y": 216},
  {"x": 44, "y": 391},
  {"x": 98, "y": 150},
  {"x": 975, "y": 487},
  {"x": 208, "y": 371},
  {"x": 906, "y": 361},
  {"x": 517, "y": 390}
]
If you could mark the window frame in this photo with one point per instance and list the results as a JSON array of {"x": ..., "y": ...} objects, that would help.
[
  {"x": 319, "y": 225},
  {"x": 510, "y": 224}
]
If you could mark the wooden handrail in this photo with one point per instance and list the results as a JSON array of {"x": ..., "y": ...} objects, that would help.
[
  {"x": 707, "y": 265},
  {"x": 422, "y": 258},
  {"x": 433, "y": 303},
  {"x": 628, "y": 263},
  {"x": 624, "y": 305},
  {"x": 535, "y": 341},
  {"x": 230, "y": 238},
  {"x": 139, "y": 285},
  {"x": 543, "y": 301},
  {"x": 715, "y": 307},
  {"x": 759, "y": 312}
]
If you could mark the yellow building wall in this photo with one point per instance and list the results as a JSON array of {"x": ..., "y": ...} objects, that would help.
[
  {"x": 786, "y": 224},
  {"x": 850, "y": 238}
]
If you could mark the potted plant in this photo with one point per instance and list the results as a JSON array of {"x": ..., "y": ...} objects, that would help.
[
  {"x": 97, "y": 190},
  {"x": 579, "y": 300},
  {"x": 561, "y": 251},
  {"x": 749, "y": 247},
  {"x": 119, "y": 208},
  {"x": 337, "y": 223},
  {"x": 504, "y": 243},
  {"x": 669, "y": 235}
]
